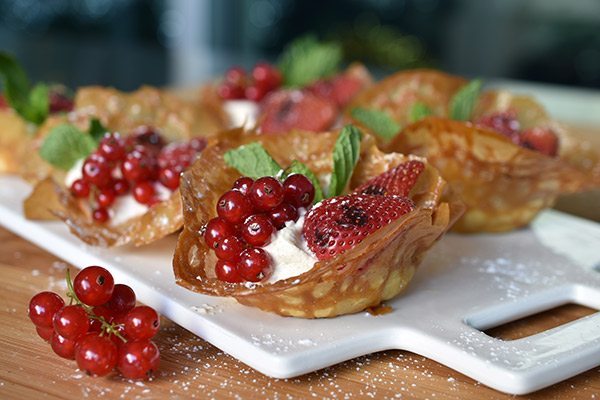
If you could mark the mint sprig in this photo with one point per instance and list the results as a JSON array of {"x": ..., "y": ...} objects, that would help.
[
  {"x": 252, "y": 160},
  {"x": 299, "y": 168},
  {"x": 31, "y": 103},
  {"x": 463, "y": 102},
  {"x": 307, "y": 59},
  {"x": 418, "y": 111},
  {"x": 379, "y": 122},
  {"x": 345, "y": 157},
  {"x": 65, "y": 145}
]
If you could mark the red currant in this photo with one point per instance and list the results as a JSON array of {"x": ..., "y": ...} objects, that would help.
[
  {"x": 96, "y": 355},
  {"x": 255, "y": 264},
  {"x": 80, "y": 188},
  {"x": 169, "y": 178},
  {"x": 122, "y": 299},
  {"x": 145, "y": 137},
  {"x": 100, "y": 215},
  {"x": 104, "y": 312},
  {"x": 58, "y": 102},
  {"x": 234, "y": 207},
  {"x": 45, "y": 333},
  {"x": 71, "y": 322},
  {"x": 283, "y": 213},
  {"x": 96, "y": 171},
  {"x": 216, "y": 230},
  {"x": 227, "y": 91},
  {"x": 106, "y": 197},
  {"x": 298, "y": 190},
  {"x": 139, "y": 165},
  {"x": 138, "y": 360},
  {"x": 198, "y": 144},
  {"x": 243, "y": 185},
  {"x": 62, "y": 346},
  {"x": 42, "y": 308},
  {"x": 141, "y": 323},
  {"x": 228, "y": 271},
  {"x": 112, "y": 147},
  {"x": 266, "y": 193},
  {"x": 94, "y": 285},
  {"x": 257, "y": 230},
  {"x": 121, "y": 187},
  {"x": 266, "y": 76},
  {"x": 144, "y": 192},
  {"x": 229, "y": 249},
  {"x": 255, "y": 93},
  {"x": 236, "y": 76}
]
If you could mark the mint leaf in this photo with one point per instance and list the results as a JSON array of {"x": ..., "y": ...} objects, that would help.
[
  {"x": 65, "y": 144},
  {"x": 377, "y": 121},
  {"x": 463, "y": 102},
  {"x": 306, "y": 59},
  {"x": 299, "y": 168},
  {"x": 418, "y": 111},
  {"x": 252, "y": 160},
  {"x": 345, "y": 157},
  {"x": 96, "y": 129},
  {"x": 31, "y": 105}
]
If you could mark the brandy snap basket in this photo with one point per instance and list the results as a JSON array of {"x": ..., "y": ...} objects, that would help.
[{"x": 376, "y": 270}]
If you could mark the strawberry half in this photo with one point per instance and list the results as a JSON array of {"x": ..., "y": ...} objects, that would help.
[
  {"x": 340, "y": 223},
  {"x": 397, "y": 181}
]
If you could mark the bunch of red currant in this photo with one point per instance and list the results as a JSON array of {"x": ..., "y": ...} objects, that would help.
[
  {"x": 134, "y": 164},
  {"x": 237, "y": 85},
  {"x": 101, "y": 328},
  {"x": 248, "y": 214}
]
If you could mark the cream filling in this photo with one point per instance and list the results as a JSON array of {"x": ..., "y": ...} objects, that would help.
[{"x": 241, "y": 113}]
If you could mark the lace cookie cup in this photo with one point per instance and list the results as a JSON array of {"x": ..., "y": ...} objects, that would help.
[{"x": 376, "y": 270}]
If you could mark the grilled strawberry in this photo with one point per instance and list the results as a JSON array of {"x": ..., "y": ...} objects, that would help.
[
  {"x": 340, "y": 223},
  {"x": 286, "y": 110},
  {"x": 397, "y": 181},
  {"x": 542, "y": 140}
]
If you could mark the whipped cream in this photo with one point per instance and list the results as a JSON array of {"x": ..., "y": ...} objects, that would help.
[
  {"x": 241, "y": 112},
  {"x": 288, "y": 250}
]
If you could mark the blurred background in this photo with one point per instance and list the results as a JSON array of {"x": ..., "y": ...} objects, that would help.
[{"x": 126, "y": 43}]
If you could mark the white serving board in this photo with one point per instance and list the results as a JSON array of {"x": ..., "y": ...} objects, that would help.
[{"x": 466, "y": 283}]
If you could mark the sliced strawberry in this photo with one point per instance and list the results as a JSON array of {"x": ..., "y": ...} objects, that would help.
[
  {"x": 542, "y": 140},
  {"x": 340, "y": 223},
  {"x": 505, "y": 123},
  {"x": 285, "y": 110},
  {"x": 397, "y": 181}
]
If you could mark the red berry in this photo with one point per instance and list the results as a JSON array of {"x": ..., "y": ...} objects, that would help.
[
  {"x": 228, "y": 271},
  {"x": 283, "y": 213},
  {"x": 342, "y": 222},
  {"x": 198, "y": 144},
  {"x": 104, "y": 312},
  {"x": 138, "y": 360},
  {"x": 255, "y": 93},
  {"x": 101, "y": 215},
  {"x": 145, "y": 137},
  {"x": 266, "y": 76},
  {"x": 179, "y": 156},
  {"x": 234, "y": 207},
  {"x": 255, "y": 264},
  {"x": 243, "y": 185},
  {"x": 106, "y": 197},
  {"x": 3, "y": 103},
  {"x": 141, "y": 323},
  {"x": 122, "y": 299},
  {"x": 112, "y": 147},
  {"x": 397, "y": 181},
  {"x": 266, "y": 193},
  {"x": 80, "y": 188},
  {"x": 229, "y": 249},
  {"x": 236, "y": 76},
  {"x": 96, "y": 171},
  {"x": 94, "y": 285},
  {"x": 71, "y": 322},
  {"x": 542, "y": 140},
  {"x": 257, "y": 230},
  {"x": 121, "y": 187},
  {"x": 216, "y": 230},
  {"x": 42, "y": 308},
  {"x": 45, "y": 333},
  {"x": 139, "y": 165},
  {"x": 169, "y": 178},
  {"x": 96, "y": 355},
  {"x": 505, "y": 123},
  {"x": 227, "y": 91},
  {"x": 58, "y": 102},
  {"x": 144, "y": 192},
  {"x": 298, "y": 190},
  {"x": 62, "y": 346}
]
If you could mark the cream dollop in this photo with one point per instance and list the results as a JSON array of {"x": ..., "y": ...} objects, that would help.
[{"x": 241, "y": 112}]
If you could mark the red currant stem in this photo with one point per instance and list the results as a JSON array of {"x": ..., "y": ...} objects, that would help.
[{"x": 105, "y": 327}]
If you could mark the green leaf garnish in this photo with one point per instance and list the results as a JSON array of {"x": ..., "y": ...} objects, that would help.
[
  {"x": 418, "y": 111},
  {"x": 65, "y": 145},
  {"x": 31, "y": 104},
  {"x": 97, "y": 130},
  {"x": 463, "y": 102},
  {"x": 306, "y": 59},
  {"x": 252, "y": 160},
  {"x": 299, "y": 168},
  {"x": 345, "y": 157},
  {"x": 377, "y": 121}
]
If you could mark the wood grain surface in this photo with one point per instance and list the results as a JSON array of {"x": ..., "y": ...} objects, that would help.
[{"x": 192, "y": 368}]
